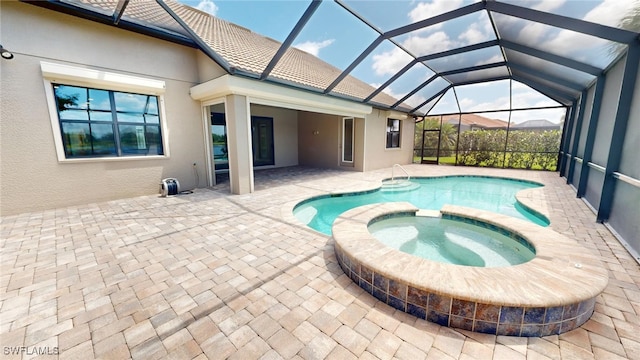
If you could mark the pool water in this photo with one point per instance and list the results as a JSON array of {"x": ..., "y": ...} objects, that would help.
[
  {"x": 485, "y": 193},
  {"x": 450, "y": 241}
]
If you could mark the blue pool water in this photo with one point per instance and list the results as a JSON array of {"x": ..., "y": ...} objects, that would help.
[
  {"x": 450, "y": 241},
  {"x": 485, "y": 193}
]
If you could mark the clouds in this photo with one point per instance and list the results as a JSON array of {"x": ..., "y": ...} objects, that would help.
[
  {"x": 413, "y": 100},
  {"x": 314, "y": 47},
  {"x": 432, "y": 39},
  {"x": 431, "y": 43},
  {"x": 476, "y": 28},
  {"x": 208, "y": 6},
  {"x": 574, "y": 44},
  {"x": 545, "y": 5},
  {"x": 425, "y": 10},
  {"x": 390, "y": 62}
]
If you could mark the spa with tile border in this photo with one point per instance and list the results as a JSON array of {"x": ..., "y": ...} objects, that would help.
[{"x": 551, "y": 294}]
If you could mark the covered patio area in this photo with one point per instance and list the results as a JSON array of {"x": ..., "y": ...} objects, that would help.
[{"x": 214, "y": 275}]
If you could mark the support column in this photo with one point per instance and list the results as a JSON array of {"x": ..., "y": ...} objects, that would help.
[
  {"x": 239, "y": 144},
  {"x": 576, "y": 137},
  {"x": 591, "y": 136},
  {"x": 566, "y": 138},
  {"x": 619, "y": 130}
]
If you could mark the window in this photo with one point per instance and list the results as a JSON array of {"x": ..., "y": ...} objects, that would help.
[
  {"x": 107, "y": 123},
  {"x": 393, "y": 133},
  {"x": 98, "y": 115}
]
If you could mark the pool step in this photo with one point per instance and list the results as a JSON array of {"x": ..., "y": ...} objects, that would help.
[
  {"x": 477, "y": 249},
  {"x": 398, "y": 185}
]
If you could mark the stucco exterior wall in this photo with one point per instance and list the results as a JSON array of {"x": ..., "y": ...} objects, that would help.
[
  {"x": 377, "y": 156},
  {"x": 359, "y": 144},
  {"x": 32, "y": 178},
  {"x": 285, "y": 133},
  {"x": 318, "y": 136},
  {"x": 370, "y": 152},
  {"x": 207, "y": 68}
]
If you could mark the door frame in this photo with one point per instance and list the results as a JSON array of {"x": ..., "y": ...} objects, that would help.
[
  {"x": 343, "y": 162},
  {"x": 255, "y": 120},
  {"x": 437, "y": 160},
  {"x": 210, "y": 171}
]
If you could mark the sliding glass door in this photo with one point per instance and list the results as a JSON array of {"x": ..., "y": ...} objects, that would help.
[
  {"x": 261, "y": 138},
  {"x": 262, "y": 141}
]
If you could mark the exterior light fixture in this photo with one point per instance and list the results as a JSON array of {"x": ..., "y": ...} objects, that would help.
[{"x": 6, "y": 54}]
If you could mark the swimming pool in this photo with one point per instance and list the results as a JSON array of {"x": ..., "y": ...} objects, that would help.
[{"x": 481, "y": 192}]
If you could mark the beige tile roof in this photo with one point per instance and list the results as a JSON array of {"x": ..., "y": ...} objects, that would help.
[
  {"x": 147, "y": 12},
  {"x": 246, "y": 50},
  {"x": 477, "y": 120},
  {"x": 250, "y": 51}
]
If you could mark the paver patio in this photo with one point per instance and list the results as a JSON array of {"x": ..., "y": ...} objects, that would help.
[{"x": 210, "y": 275}]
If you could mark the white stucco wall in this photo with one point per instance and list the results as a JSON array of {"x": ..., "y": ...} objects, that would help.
[
  {"x": 207, "y": 68},
  {"x": 318, "y": 139},
  {"x": 31, "y": 176},
  {"x": 377, "y": 156}
]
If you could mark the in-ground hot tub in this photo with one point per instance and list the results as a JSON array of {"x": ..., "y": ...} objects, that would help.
[
  {"x": 451, "y": 240},
  {"x": 552, "y": 293}
]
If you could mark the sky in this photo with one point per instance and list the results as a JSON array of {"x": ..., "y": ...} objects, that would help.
[{"x": 337, "y": 37}]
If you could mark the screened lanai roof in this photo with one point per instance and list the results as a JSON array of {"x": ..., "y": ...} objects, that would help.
[{"x": 402, "y": 55}]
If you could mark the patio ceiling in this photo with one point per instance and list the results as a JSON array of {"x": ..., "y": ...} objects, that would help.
[{"x": 499, "y": 42}]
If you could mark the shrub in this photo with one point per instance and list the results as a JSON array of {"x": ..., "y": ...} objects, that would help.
[{"x": 524, "y": 149}]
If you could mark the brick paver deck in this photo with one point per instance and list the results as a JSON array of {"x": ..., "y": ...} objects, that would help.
[{"x": 213, "y": 275}]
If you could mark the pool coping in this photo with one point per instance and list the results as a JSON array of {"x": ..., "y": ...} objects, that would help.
[{"x": 567, "y": 276}]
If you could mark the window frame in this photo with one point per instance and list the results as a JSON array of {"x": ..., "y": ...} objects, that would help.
[
  {"x": 102, "y": 80},
  {"x": 388, "y": 133}
]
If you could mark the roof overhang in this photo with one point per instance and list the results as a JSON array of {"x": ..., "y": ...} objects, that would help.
[{"x": 263, "y": 93}]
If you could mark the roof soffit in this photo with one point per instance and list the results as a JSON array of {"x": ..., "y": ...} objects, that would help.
[{"x": 275, "y": 95}]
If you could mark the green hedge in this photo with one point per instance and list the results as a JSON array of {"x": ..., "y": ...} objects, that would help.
[{"x": 524, "y": 149}]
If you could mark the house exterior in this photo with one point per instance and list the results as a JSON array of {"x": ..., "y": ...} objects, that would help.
[
  {"x": 474, "y": 122},
  {"x": 536, "y": 125},
  {"x": 92, "y": 112}
]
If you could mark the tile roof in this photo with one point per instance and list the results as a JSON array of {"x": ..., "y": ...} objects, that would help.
[
  {"x": 537, "y": 123},
  {"x": 252, "y": 52},
  {"x": 476, "y": 120},
  {"x": 144, "y": 12},
  {"x": 244, "y": 49}
]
